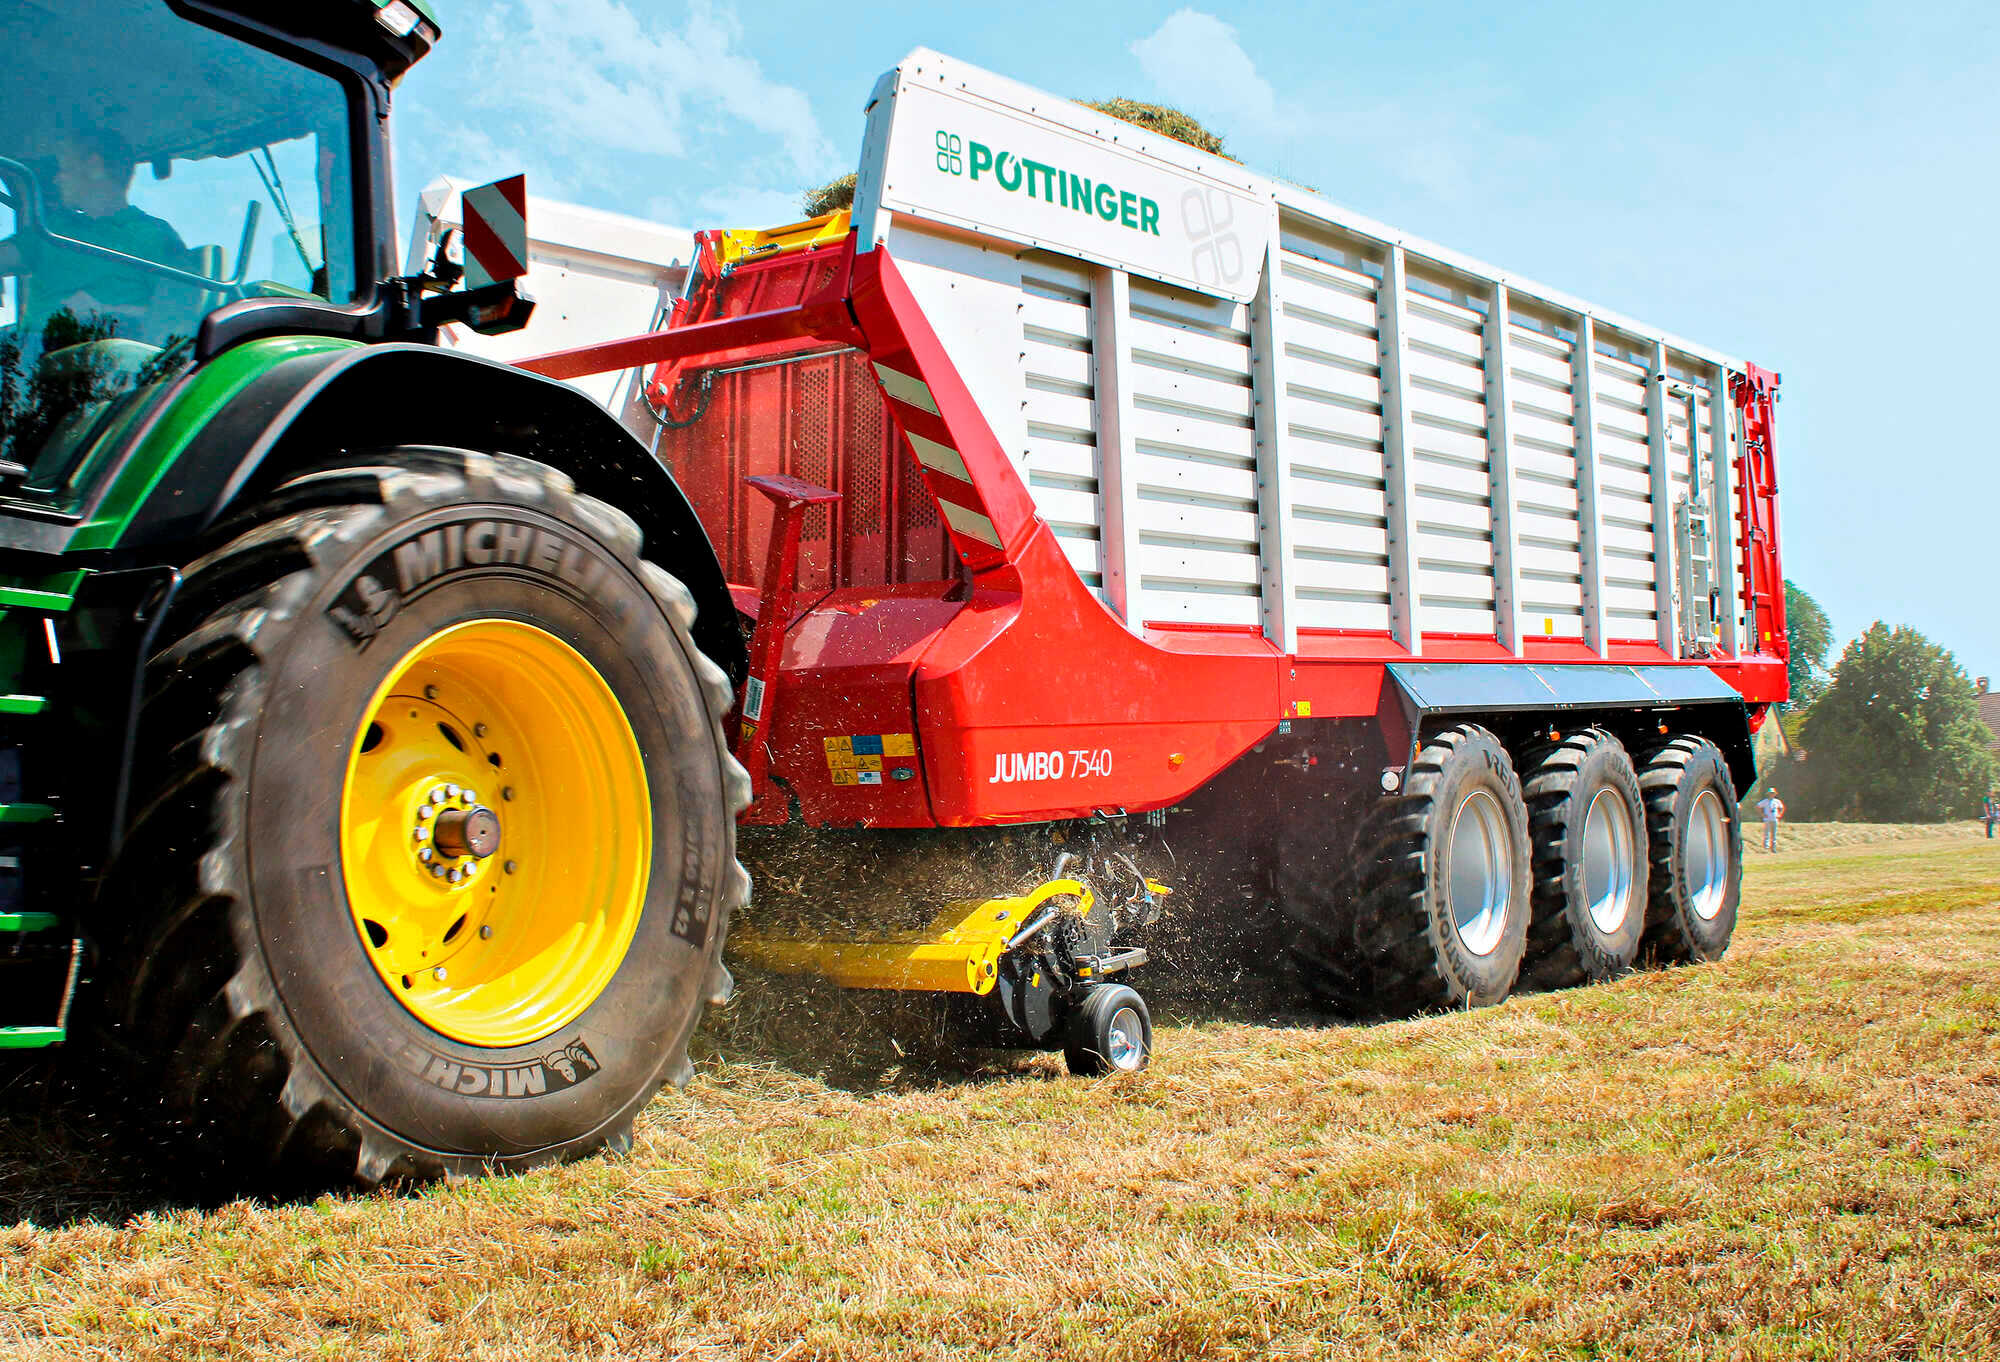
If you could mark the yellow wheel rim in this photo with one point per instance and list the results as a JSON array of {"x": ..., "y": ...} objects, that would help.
[{"x": 495, "y": 832}]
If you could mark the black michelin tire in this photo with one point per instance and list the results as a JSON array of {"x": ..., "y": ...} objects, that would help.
[
  {"x": 1588, "y": 827},
  {"x": 1425, "y": 943},
  {"x": 1089, "y": 1044},
  {"x": 1695, "y": 840},
  {"x": 238, "y": 981}
]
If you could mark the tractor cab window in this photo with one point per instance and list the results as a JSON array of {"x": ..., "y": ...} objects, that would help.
[{"x": 151, "y": 170}]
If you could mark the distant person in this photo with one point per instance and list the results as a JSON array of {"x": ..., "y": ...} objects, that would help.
[
  {"x": 1991, "y": 813},
  {"x": 87, "y": 200},
  {"x": 1773, "y": 809}
]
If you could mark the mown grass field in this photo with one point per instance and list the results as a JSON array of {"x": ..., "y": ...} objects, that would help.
[{"x": 1792, "y": 1154}]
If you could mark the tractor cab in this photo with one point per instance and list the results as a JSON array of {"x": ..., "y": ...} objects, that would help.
[{"x": 159, "y": 162}]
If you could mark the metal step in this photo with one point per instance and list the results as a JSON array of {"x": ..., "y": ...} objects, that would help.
[
  {"x": 31, "y": 1037},
  {"x": 36, "y": 1037},
  {"x": 46, "y": 595},
  {"x": 53, "y": 591}
]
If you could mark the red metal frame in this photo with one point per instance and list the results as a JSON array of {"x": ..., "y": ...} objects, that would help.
[
  {"x": 806, "y": 311},
  {"x": 1028, "y": 699},
  {"x": 790, "y": 498}
]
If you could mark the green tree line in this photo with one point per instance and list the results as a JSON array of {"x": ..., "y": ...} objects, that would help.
[{"x": 1890, "y": 733}]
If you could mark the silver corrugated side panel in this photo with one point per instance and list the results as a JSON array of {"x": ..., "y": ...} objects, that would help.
[{"x": 1237, "y": 403}]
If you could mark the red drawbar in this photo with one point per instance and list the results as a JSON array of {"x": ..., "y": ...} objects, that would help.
[{"x": 942, "y": 662}]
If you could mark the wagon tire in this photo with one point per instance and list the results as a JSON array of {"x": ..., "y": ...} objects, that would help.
[
  {"x": 1695, "y": 841},
  {"x": 1588, "y": 827},
  {"x": 1382, "y": 930},
  {"x": 1444, "y": 919}
]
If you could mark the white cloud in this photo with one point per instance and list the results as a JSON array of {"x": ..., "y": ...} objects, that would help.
[
  {"x": 595, "y": 69},
  {"x": 612, "y": 103},
  {"x": 1438, "y": 144},
  {"x": 468, "y": 152},
  {"x": 1194, "y": 60}
]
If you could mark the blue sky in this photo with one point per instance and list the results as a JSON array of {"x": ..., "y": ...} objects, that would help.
[{"x": 1815, "y": 187}]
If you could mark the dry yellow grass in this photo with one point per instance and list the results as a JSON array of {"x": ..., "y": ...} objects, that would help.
[
  {"x": 1791, "y": 1154},
  {"x": 1813, "y": 836}
]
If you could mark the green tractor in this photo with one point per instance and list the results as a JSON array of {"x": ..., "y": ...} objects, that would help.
[{"x": 366, "y": 797}]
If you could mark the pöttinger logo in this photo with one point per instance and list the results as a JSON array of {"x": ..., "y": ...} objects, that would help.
[
  {"x": 1053, "y": 185},
  {"x": 1216, "y": 255}
]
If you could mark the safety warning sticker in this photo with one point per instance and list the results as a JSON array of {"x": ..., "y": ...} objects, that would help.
[{"x": 856, "y": 758}]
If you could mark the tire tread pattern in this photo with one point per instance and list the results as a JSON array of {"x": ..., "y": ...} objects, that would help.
[
  {"x": 1666, "y": 940},
  {"x": 1365, "y": 939},
  {"x": 190, "y": 1002},
  {"x": 1561, "y": 953}
]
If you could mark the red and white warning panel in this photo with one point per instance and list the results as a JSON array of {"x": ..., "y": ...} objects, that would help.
[{"x": 496, "y": 232}]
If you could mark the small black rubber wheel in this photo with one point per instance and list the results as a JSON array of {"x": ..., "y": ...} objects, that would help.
[
  {"x": 1588, "y": 828},
  {"x": 1696, "y": 844},
  {"x": 1111, "y": 1031},
  {"x": 436, "y": 848}
]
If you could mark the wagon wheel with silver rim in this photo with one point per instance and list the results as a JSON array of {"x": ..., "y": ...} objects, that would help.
[
  {"x": 1590, "y": 866},
  {"x": 1695, "y": 847},
  {"x": 1441, "y": 905}
]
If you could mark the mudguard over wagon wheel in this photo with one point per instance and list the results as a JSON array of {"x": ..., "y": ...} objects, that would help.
[{"x": 441, "y": 847}]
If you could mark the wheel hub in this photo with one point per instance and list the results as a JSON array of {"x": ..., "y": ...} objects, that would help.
[
  {"x": 1607, "y": 860},
  {"x": 488, "y": 948},
  {"x": 471, "y": 833},
  {"x": 450, "y": 828},
  {"x": 1705, "y": 856},
  {"x": 1127, "y": 1040},
  {"x": 1478, "y": 879}
]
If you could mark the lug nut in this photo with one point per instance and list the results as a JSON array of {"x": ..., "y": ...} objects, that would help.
[
  {"x": 438, "y": 974},
  {"x": 507, "y": 792},
  {"x": 454, "y": 874},
  {"x": 469, "y": 796},
  {"x": 451, "y": 792},
  {"x": 424, "y": 855},
  {"x": 437, "y": 795},
  {"x": 425, "y": 811},
  {"x": 420, "y": 832},
  {"x": 486, "y": 932},
  {"x": 479, "y": 730},
  {"x": 430, "y": 692},
  {"x": 513, "y": 866},
  {"x": 437, "y": 872}
]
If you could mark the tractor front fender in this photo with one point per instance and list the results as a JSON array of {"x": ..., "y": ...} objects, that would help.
[{"x": 308, "y": 407}]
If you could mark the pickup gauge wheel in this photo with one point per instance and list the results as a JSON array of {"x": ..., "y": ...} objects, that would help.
[
  {"x": 440, "y": 847},
  {"x": 1110, "y": 1031}
]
